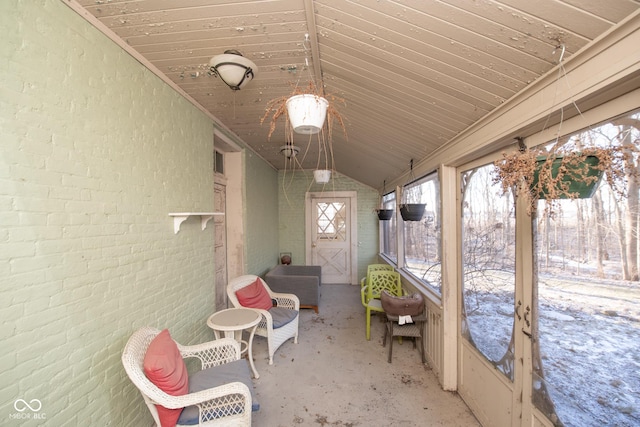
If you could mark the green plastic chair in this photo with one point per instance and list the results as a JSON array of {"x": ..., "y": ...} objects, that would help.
[
  {"x": 370, "y": 293},
  {"x": 374, "y": 267}
]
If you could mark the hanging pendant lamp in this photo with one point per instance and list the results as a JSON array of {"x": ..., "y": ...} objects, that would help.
[
  {"x": 233, "y": 69},
  {"x": 289, "y": 150}
]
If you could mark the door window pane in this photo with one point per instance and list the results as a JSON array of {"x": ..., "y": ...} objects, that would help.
[
  {"x": 331, "y": 221},
  {"x": 488, "y": 263}
]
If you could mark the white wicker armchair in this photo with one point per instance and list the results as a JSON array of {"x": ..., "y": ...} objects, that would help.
[
  {"x": 226, "y": 405},
  {"x": 275, "y": 337}
]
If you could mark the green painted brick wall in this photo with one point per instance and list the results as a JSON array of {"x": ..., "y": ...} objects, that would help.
[
  {"x": 95, "y": 152},
  {"x": 261, "y": 202},
  {"x": 291, "y": 200}
]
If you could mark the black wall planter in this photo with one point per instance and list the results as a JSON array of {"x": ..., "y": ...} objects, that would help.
[
  {"x": 384, "y": 214},
  {"x": 412, "y": 211}
]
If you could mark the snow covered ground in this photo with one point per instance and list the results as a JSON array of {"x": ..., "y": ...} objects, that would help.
[{"x": 589, "y": 341}]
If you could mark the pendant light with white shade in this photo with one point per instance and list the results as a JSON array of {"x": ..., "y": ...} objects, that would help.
[{"x": 233, "y": 69}]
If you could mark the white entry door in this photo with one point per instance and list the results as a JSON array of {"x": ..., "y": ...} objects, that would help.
[{"x": 331, "y": 235}]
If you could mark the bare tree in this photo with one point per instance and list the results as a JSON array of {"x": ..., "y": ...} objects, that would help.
[
  {"x": 631, "y": 214},
  {"x": 600, "y": 233}
]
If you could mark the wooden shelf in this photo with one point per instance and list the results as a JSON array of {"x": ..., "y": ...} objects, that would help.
[{"x": 180, "y": 217}]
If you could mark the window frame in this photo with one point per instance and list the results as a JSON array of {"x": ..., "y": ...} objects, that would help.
[{"x": 434, "y": 293}]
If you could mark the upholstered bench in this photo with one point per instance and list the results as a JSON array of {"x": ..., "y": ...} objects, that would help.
[{"x": 304, "y": 281}]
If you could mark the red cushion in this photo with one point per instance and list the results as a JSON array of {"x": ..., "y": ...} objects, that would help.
[
  {"x": 254, "y": 296},
  {"x": 164, "y": 367}
]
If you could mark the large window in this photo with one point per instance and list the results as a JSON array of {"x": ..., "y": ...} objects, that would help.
[
  {"x": 422, "y": 248},
  {"x": 587, "y": 351}
]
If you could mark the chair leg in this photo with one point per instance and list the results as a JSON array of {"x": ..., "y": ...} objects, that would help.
[
  {"x": 390, "y": 342},
  {"x": 368, "y": 325},
  {"x": 386, "y": 332}
]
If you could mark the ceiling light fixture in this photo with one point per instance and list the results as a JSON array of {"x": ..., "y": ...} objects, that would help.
[
  {"x": 233, "y": 69},
  {"x": 289, "y": 150}
]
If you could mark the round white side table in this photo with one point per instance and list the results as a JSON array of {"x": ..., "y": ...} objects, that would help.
[{"x": 232, "y": 322}]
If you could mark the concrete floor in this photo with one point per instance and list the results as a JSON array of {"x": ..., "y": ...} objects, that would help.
[{"x": 335, "y": 377}]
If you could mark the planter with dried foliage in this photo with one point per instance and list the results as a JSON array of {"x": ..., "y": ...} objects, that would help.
[
  {"x": 327, "y": 105},
  {"x": 277, "y": 109},
  {"x": 556, "y": 174}
]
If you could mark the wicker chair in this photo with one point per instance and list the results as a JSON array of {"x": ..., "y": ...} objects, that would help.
[
  {"x": 226, "y": 405},
  {"x": 275, "y": 336},
  {"x": 370, "y": 294}
]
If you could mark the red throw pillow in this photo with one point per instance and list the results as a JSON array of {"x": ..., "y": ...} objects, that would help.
[
  {"x": 164, "y": 367},
  {"x": 254, "y": 296}
]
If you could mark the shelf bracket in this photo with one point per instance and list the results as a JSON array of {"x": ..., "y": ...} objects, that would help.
[{"x": 179, "y": 218}]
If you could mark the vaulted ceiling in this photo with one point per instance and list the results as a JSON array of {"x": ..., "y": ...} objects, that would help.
[{"x": 413, "y": 74}]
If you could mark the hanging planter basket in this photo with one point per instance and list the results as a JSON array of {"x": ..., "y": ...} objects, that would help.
[
  {"x": 384, "y": 214},
  {"x": 412, "y": 211},
  {"x": 587, "y": 169},
  {"x": 322, "y": 176},
  {"x": 307, "y": 113}
]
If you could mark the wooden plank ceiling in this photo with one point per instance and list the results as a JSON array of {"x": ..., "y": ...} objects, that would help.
[{"x": 413, "y": 73}]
